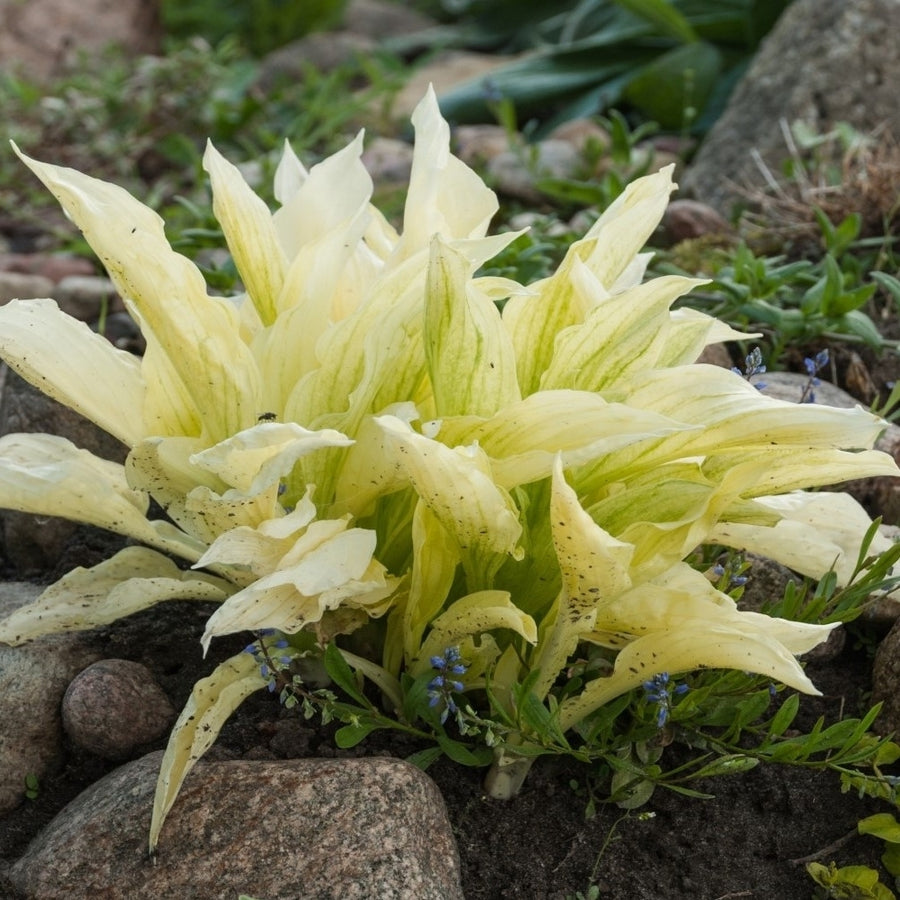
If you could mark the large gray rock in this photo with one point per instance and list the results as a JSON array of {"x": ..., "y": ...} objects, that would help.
[
  {"x": 365, "y": 26},
  {"x": 826, "y": 61},
  {"x": 354, "y": 829},
  {"x": 33, "y": 679},
  {"x": 23, "y": 285},
  {"x": 41, "y": 37},
  {"x": 383, "y": 20}
]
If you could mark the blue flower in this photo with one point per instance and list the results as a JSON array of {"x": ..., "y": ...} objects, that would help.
[
  {"x": 658, "y": 690},
  {"x": 441, "y": 688},
  {"x": 813, "y": 366},
  {"x": 753, "y": 366}
]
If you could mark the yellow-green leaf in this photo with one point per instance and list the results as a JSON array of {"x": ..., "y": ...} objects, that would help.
[
  {"x": 625, "y": 333},
  {"x": 197, "y": 335},
  {"x": 67, "y": 361},
  {"x": 212, "y": 701},
  {"x": 258, "y": 457},
  {"x": 469, "y": 617},
  {"x": 524, "y": 438},
  {"x": 470, "y": 356},
  {"x": 248, "y": 228},
  {"x": 817, "y": 531},
  {"x": 134, "y": 579},
  {"x": 456, "y": 484}
]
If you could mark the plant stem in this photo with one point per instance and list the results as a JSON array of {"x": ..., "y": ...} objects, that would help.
[{"x": 507, "y": 773}]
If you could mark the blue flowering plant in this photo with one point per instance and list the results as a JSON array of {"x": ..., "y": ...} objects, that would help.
[{"x": 442, "y": 501}]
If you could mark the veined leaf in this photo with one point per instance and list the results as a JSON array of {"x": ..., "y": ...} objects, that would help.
[
  {"x": 524, "y": 438},
  {"x": 471, "y": 360},
  {"x": 817, "y": 531},
  {"x": 315, "y": 576},
  {"x": 258, "y": 457},
  {"x": 435, "y": 558},
  {"x": 455, "y": 484},
  {"x": 212, "y": 701},
  {"x": 625, "y": 333},
  {"x": 134, "y": 579},
  {"x": 605, "y": 254},
  {"x": 66, "y": 360},
  {"x": 690, "y": 644},
  {"x": 471, "y": 616},
  {"x": 250, "y": 233},
  {"x": 196, "y": 499},
  {"x": 445, "y": 196},
  {"x": 49, "y": 476},
  {"x": 168, "y": 295},
  {"x": 595, "y": 568}
]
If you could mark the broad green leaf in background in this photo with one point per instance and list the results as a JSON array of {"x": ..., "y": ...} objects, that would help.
[
  {"x": 664, "y": 16},
  {"x": 676, "y": 60},
  {"x": 674, "y": 89}
]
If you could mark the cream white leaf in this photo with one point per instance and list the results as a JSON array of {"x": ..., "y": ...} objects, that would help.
[
  {"x": 73, "y": 364},
  {"x": 134, "y": 579},
  {"x": 257, "y": 457},
  {"x": 212, "y": 701}
]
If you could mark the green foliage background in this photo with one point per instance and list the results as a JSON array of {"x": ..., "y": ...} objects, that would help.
[{"x": 260, "y": 25}]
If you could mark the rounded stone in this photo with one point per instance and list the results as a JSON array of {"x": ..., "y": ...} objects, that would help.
[{"x": 114, "y": 707}]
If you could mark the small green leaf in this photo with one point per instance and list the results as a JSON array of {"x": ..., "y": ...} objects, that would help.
[
  {"x": 890, "y": 859},
  {"x": 849, "y": 882},
  {"x": 415, "y": 697},
  {"x": 782, "y": 719},
  {"x": 540, "y": 720},
  {"x": 630, "y": 790},
  {"x": 460, "y": 753},
  {"x": 881, "y": 825},
  {"x": 889, "y": 283},
  {"x": 424, "y": 758},
  {"x": 888, "y": 753},
  {"x": 351, "y": 735},
  {"x": 32, "y": 786},
  {"x": 342, "y": 675},
  {"x": 749, "y": 710},
  {"x": 858, "y": 323},
  {"x": 733, "y": 764},
  {"x": 852, "y": 300},
  {"x": 689, "y": 792},
  {"x": 845, "y": 234}
]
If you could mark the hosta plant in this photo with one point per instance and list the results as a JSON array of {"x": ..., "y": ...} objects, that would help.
[{"x": 376, "y": 451}]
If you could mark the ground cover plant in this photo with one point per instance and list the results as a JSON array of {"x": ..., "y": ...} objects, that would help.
[
  {"x": 490, "y": 657},
  {"x": 363, "y": 444}
]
